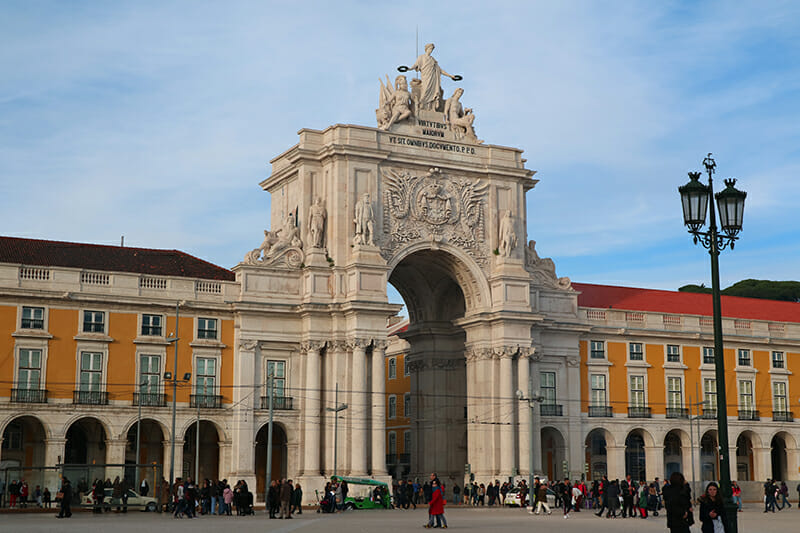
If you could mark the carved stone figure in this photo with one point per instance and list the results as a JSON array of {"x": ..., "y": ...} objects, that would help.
[
  {"x": 460, "y": 119},
  {"x": 431, "y": 74},
  {"x": 316, "y": 224},
  {"x": 394, "y": 103},
  {"x": 508, "y": 238},
  {"x": 365, "y": 222},
  {"x": 287, "y": 236},
  {"x": 255, "y": 255},
  {"x": 543, "y": 269}
]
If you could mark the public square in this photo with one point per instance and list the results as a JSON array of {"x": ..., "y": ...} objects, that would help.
[{"x": 752, "y": 520}]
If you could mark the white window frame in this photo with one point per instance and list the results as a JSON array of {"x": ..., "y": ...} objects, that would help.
[
  {"x": 543, "y": 388},
  {"x": 739, "y": 352},
  {"x": 592, "y": 403},
  {"x": 632, "y": 394},
  {"x": 283, "y": 380},
  {"x": 786, "y": 407},
  {"x": 406, "y": 371},
  {"x": 407, "y": 404},
  {"x": 101, "y": 371},
  {"x": 142, "y": 326},
  {"x": 670, "y": 392},
  {"x": 18, "y": 369},
  {"x": 602, "y": 345},
  {"x": 667, "y": 354},
  {"x": 781, "y": 356},
  {"x": 217, "y": 323},
  {"x": 196, "y": 375},
  {"x": 94, "y": 347},
  {"x": 391, "y": 407},
  {"x": 140, "y": 376},
  {"x": 707, "y": 395},
  {"x": 391, "y": 442},
  {"x": 45, "y": 316},
  {"x": 743, "y": 394},
  {"x": 640, "y": 352},
  {"x": 392, "y": 368},
  {"x": 703, "y": 351},
  {"x": 31, "y": 344},
  {"x": 407, "y": 441},
  {"x": 82, "y": 324}
]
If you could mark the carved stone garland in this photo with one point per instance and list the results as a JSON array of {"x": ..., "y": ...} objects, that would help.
[{"x": 434, "y": 207}]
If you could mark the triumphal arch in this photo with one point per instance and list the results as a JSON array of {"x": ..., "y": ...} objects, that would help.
[{"x": 422, "y": 203}]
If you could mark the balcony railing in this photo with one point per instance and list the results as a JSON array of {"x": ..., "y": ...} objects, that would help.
[
  {"x": 604, "y": 411},
  {"x": 28, "y": 396},
  {"x": 206, "y": 401},
  {"x": 89, "y": 397},
  {"x": 150, "y": 399},
  {"x": 639, "y": 412},
  {"x": 278, "y": 402},
  {"x": 677, "y": 412},
  {"x": 782, "y": 416},
  {"x": 709, "y": 414},
  {"x": 748, "y": 414},
  {"x": 551, "y": 409}
]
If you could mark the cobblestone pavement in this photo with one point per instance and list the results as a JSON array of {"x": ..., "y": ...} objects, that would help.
[{"x": 483, "y": 520}]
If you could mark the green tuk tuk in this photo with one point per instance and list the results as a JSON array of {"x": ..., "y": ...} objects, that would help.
[{"x": 365, "y": 493}]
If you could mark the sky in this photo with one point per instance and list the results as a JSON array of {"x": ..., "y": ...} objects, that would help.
[{"x": 157, "y": 120}]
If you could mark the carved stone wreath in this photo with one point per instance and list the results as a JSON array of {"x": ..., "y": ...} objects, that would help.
[{"x": 434, "y": 207}]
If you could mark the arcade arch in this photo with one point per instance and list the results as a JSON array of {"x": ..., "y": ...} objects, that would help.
[
  {"x": 554, "y": 452},
  {"x": 709, "y": 456},
  {"x": 209, "y": 450},
  {"x": 280, "y": 456},
  {"x": 597, "y": 442}
]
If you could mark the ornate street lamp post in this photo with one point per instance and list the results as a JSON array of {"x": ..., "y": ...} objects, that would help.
[{"x": 695, "y": 197}]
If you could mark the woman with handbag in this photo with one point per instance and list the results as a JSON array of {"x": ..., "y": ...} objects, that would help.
[
  {"x": 712, "y": 510},
  {"x": 678, "y": 503}
]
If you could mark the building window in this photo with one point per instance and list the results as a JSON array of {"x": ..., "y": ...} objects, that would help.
[
  {"x": 673, "y": 353},
  {"x": 207, "y": 328},
  {"x": 746, "y": 395},
  {"x": 779, "y": 396},
  {"x": 405, "y": 367},
  {"x": 392, "y": 444},
  {"x": 598, "y": 350},
  {"x": 94, "y": 322},
  {"x": 710, "y": 394},
  {"x": 708, "y": 355},
  {"x": 744, "y": 358},
  {"x": 32, "y": 318},
  {"x": 674, "y": 393},
  {"x": 277, "y": 369},
  {"x": 406, "y": 442},
  {"x": 392, "y": 368},
  {"x": 598, "y": 398},
  {"x": 149, "y": 373},
  {"x": 636, "y": 353},
  {"x": 778, "y": 360},
  {"x": 547, "y": 387},
  {"x": 13, "y": 437},
  {"x": 91, "y": 371},
  {"x": 392, "y": 406},
  {"x": 407, "y": 404},
  {"x": 30, "y": 369},
  {"x": 637, "y": 391},
  {"x": 151, "y": 325},
  {"x": 206, "y": 376}
]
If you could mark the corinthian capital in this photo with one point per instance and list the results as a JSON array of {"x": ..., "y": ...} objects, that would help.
[
  {"x": 379, "y": 344},
  {"x": 527, "y": 352},
  {"x": 309, "y": 345},
  {"x": 248, "y": 345},
  {"x": 505, "y": 352},
  {"x": 358, "y": 343}
]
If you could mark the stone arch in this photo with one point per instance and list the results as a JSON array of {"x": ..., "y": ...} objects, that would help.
[
  {"x": 597, "y": 442},
  {"x": 160, "y": 423},
  {"x": 780, "y": 444},
  {"x": 210, "y": 437},
  {"x": 554, "y": 451},
  {"x": 103, "y": 421},
  {"x": 637, "y": 443},
  {"x": 677, "y": 451},
  {"x": 187, "y": 425},
  {"x": 709, "y": 455},
  {"x": 455, "y": 262},
  {"x": 47, "y": 428},
  {"x": 280, "y": 454}
]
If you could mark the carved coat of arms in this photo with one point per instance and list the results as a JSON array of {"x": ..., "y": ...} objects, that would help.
[{"x": 434, "y": 207}]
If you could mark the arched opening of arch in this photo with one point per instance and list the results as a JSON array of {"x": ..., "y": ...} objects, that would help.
[
  {"x": 596, "y": 454},
  {"x": 24, "y": 451},
  {"x": 709, "y": 456},
  {"x": 207, "y": 455},
  {"x": 673, "y": 453},
  {"x": 554, "y": 453},
  {"x": 635, "y": 463},
  {"x": 151, "y": 450},
  {"x": 438, "y": 290},
  {"x": 778, "y": 457},
  {"x": 744, "y": 457},
  {"x": 278, "y": 466},
  {"x": 85, "y": 450}
]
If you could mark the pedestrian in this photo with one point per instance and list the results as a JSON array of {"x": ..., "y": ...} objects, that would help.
[
  {"x": 66, "y": 499},
  {"x": 541, "y": 502},
  {"x": 602, "y": 487},
  {"x": 286, "y": 497},
  {"x": 783, "y": 496},
  {"x": 46, "y": 498},
  {"x": 678, "y": 504},
  {"x": 628, "y": 488},
  {"x": 144, "y": 488},
  {"x": 410, "y": 494},
  {"x": 339, "y": 495},
  {"x": 566, "y": 496},
  {"x": 642, "y": 496},
  {"x": 23, "y": 494},
  {"x": 737, "y": 495},
  {"x": 297, "y": 500},
  {"x": 37, "y": 494},
  {"x": 769, "y": 496},
  {"x": 227, "y": 499},
  {"x": 577, "y": 496},
  {"x": 712, "y": 510},
  {"x": 436, "y": 506}
]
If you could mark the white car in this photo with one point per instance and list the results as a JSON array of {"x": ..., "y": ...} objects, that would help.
[
  {"x": 146, "y": 503},
  {"x": 513, "y": 497}
]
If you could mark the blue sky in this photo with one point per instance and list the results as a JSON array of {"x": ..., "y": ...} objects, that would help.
[{"x": 157, "y": 120}]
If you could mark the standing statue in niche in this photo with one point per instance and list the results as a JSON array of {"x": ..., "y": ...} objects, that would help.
[
  {"x": 431, "y": 73},
  {"x": 460, "y": 119},
  {"x": 316, "y": 224},
  {"x": 365, "y": 221},
  {"x": 394, "y": 103},
  {"x": 508, "y": 238}
]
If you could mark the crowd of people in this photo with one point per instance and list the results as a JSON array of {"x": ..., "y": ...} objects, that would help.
[
  {"x": 20, "y": 495},
  {"x": 284, "y": 498}
]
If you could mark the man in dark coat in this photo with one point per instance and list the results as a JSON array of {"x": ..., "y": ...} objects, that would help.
[
  {"x": 66, "y": 499},
  {"x": 286, "y": 498}
]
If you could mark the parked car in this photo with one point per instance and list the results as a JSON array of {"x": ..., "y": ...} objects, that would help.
[
  {"x": 366, "y": 493},
  {"x": 513, "y": 497},
  {"x": 146, "y": 503}
]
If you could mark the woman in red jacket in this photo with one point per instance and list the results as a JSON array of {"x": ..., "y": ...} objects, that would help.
[{"x": 436, "y": 506}]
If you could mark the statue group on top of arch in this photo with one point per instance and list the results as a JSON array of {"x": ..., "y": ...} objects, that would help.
[
  {"x": 283, "y": 245},
  {"x": 543, "y": 270},
  {"x": 425, "y": 99}
]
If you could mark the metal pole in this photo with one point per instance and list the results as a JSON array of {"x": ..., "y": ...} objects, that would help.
[
  {"x": 336, "y": 429},
  {"x": 719, "y": 367},
  {"x": 691, "y": 441},
  {"x": 138, "y": 437},
  {"x": 197, "y": 447},
  {"x": 531, "y": 431},
  {"x": 268, "y": 479},
  {"x": 174, "y": 399}
]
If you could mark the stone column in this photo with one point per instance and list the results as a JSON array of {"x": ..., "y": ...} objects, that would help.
[
  {"x": 379, "y": 408},
  {"x": 523, "y": 378},
  {"x": 241, "y": 465},
  {"x": 506, "y": 401},
  {"x": 575, "y": 439},
  {"x": 311, "y": 415},
  {"x": 225, "y": 459},
  {"x": 334, "y": 358},
  {"x": 654, "y": 462},
  {"x": 359, "y": 409},
  {"x": 115, "y": 455},
  {"x": 53, "y": 451},
  {"x": 167, "y": 444},
  {"x": 762, "y": 463},
  {"x": 615, "y": 461}
]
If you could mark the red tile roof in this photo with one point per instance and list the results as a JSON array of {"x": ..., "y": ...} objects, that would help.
[
  {"x": 36, "y": 252},
  {"x": 673, "y": 302}
]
